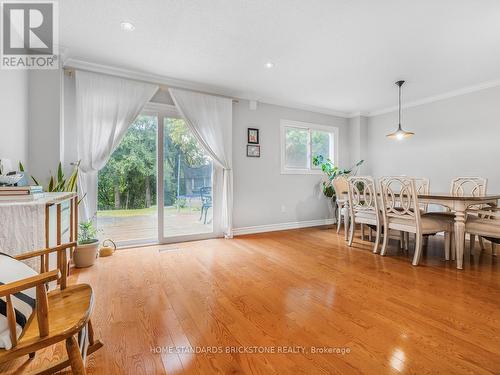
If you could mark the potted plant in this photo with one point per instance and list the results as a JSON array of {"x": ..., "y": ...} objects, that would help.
[
  {"x": 331, "y": 171},
  {"x": 86, "y": 251}
]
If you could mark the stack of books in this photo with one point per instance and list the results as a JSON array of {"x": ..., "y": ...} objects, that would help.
[{"x": 20, "y": 193}]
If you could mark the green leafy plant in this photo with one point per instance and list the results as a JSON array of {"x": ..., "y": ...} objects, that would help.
[
  {"x": 59, "y": 183},
  {"x": 328, "y": 190},
  {"x": 87, "y": 233},
  {"x": 331, "y": 171}
]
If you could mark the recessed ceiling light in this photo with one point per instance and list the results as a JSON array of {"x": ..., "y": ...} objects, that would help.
[
  {"x": 127, "y": 26},
  {"x": 269, "y": 65}
]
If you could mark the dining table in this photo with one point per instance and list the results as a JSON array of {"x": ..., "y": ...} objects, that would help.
[{"x": 458, "y": 205}]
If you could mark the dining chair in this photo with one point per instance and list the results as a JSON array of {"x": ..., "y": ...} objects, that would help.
[
  {"x": 422, "y": 186},
  {"x": 476, "y": 187},
  {"x": 469, "y": 186},
  {"x": 340, "y": 185},
  {"x": 403, "y": 238},
  {"x": 486, "y": 224},
  {"x": 401, "y": 211},
  {"x": 363, "y": 206}
]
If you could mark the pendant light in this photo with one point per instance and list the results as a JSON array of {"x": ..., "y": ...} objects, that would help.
[{"x": 400, "y": 133}]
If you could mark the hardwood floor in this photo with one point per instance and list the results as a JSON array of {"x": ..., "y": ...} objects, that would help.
[{"x": 293, "y": 290}]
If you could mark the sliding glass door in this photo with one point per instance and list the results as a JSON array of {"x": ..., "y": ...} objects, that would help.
[
  {"x": 185, "y": 185},
  {"x": 127, "y": 186},
  {"x": 157, "y": 185}
]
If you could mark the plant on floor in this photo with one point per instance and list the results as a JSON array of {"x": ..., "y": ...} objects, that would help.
[
  {"x": 85, "y": 253},
  {"x": 331, "y": 171},
  {"x": 87, "y": 233}
]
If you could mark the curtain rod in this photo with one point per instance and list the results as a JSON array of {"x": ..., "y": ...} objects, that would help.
[{"x": 69, "y": 71}]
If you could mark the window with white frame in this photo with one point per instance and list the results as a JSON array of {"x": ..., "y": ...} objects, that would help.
[{"x": 301, "y": 142}]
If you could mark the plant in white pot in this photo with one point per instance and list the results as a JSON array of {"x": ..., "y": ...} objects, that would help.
[{"x": 86, "y": 251}]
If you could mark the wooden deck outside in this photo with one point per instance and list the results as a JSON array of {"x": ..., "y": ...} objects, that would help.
[{"x": 145, "y": 227}]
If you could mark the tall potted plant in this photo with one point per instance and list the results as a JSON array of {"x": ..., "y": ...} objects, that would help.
[
  {"x": 331, "y": 171},
  {"x": 86, "y": 251}
]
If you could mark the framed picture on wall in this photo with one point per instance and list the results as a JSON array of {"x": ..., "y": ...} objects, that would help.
[
  {"x": 253, "y": 151},
  {"x": 253, "y": 136}
]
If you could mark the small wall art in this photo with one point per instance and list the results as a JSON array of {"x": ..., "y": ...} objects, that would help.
[
  {"x": 253, "y": 151},
  {"x": 253, "y": 136}
]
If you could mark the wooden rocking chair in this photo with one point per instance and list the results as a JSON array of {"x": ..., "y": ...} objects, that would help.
[{"x": 59, "y": 315}]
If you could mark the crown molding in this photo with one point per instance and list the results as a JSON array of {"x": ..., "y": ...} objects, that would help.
[
  {"x": 303, "y": 107},
  {"x": 357, "y": 114},
  {"x": 354, "y": 114},
  {"x": 63, "y": 54},
  {"x": 415, "y": 103},
  {"x": 436, "y": 98},
  {"x": 77, "y": 64}
]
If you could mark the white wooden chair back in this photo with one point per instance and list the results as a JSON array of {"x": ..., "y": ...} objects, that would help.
[
  {"x": 422, "y": 186},
  {"x": 340, "y": 185},
  {"x": 469, "y": 186},
  {"x": 362, "y": 195},
  {"x": 400, "y": 199}
]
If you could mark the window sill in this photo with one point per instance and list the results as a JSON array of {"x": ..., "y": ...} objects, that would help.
[{"x": 302, "y": 171}]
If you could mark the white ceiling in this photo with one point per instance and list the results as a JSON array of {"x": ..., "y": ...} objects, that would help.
[{"x": 342, "y": 55}]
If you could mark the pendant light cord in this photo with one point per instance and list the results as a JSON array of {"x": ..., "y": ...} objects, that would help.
[
  {"x": 400, "y": 133},
  {"x": 399, "y": 125}
]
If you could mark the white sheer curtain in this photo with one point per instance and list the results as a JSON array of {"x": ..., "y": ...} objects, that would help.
[
  {"x": 210, "y": 118},
  {"x": 105, "y": 108}
]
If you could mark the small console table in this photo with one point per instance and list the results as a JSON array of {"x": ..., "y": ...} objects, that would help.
[{"x": 49, "y": 221}]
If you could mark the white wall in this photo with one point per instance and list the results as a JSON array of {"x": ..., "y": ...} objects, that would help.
[
  {"x": 14, "y": 115},
  {"x": 358, "y": 127},
  {"x": 30, "y": 119},
  {"x": 260, "y": 190},
  {"x": 453, "y": 137},
  {"x": 44, "y": 115},
  {"x": 69, "y": 147}
]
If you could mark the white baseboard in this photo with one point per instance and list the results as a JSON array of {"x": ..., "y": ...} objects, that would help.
[{"x": 281, "y": 226}]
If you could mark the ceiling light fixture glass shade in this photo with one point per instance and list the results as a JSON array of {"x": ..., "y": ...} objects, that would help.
[
  {"x": 400, "y": 133},
  {"x": 127, "y": 26}
]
